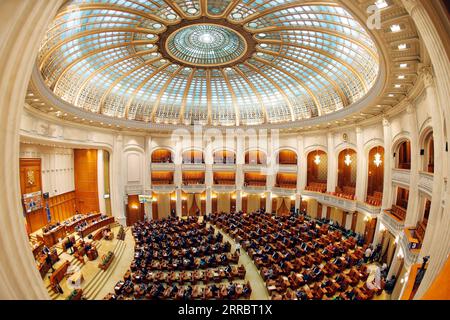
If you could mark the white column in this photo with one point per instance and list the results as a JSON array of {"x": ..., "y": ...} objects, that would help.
[
  {"x": 101, "y": 181},
  {"x": 116, "y": 177},
  {"x": 438, "y": 134},
  {"x": 332, "y": 164},
  {"x": 324, "y": 211},
  {"x": 302, "y": 165},
  {"x": 208, "y": 200},
  {"x": 179, "y": 209},
  {"x": 22, "y": 26},
  {"x": 269, "y": 202},
  {"x": 238, "y": 200},
  {"x": 436, "y": 41},
  {"x": 298, "y": 201},
  {"x": 361, "y": 166},
  {"x": 413, "y": 200},
  {"x": 148, "y": 165},
  {"x": 240, "y": 160},
  {"x": 348, "y": 220},
  {"x": 388, "y": 165},
  {"x": 148, "y": 208}
]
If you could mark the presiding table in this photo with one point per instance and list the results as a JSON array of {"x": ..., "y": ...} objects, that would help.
[
  {"x": 76, "y": 220},
  {"x": 53, "y": 236},
  {"x": 95, "y": 226}
]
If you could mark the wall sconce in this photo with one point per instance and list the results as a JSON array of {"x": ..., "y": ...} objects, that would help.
[
  {"x": 317, "y": 159},
  {"x": 378, "y": 160},
  {"x": 134, "y": 206},
  {"x": 348, "y": 160}
]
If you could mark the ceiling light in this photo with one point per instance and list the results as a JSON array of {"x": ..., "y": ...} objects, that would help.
[
  {"x": 317, "y": 160},
  {"x": 403, "y": 65},
  {"x": 398, "y": 86},
  {"x": 150, "y": 36},
  {"x": 150, "y": 46},
  {"x": 348, "y": 160},
  {"x": 192, "y": 10},
  {"x": 381, "y": 4},
  {"x": 157, "y": 25},
  {"x": 401, "y": 77},
  {"x": 262, "y": 35},
  {"x": 396, "y": 28},
  {"x": 206, "y": 38},
  {"x": 171, "y": 16},
  {"x": 237, "y": 15},
  {"x": 378, "y": 160},
  {"x": 402, "y": 46}
]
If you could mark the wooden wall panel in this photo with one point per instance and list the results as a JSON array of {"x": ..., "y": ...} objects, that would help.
[
  {"x": 31, "y": 181},
  {"x": 62, "y": 207},
  {"x": 135, "y": 210},
  {"x": 375, "y": 174},
  {"x": 86, "y": 183}
]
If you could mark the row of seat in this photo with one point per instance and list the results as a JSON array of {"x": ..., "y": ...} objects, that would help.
[{"x": 296, "y": 254}]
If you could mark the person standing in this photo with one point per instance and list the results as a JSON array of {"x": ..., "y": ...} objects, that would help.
[
  {"x": 367, "y": 254},
  {"x": 238, "y": 247}
]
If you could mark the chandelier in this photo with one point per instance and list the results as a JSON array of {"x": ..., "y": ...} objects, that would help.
[
  {"x": 377, "y": 161},
  {"x": 348, "y": 160},
  {"x": 317, "y": 159}
]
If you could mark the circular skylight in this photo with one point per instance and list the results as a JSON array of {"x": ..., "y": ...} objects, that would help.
[{"x": 206, "y": 45}]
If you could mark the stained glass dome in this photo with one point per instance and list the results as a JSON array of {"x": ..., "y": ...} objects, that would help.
[{"x": 216, "y": 62}]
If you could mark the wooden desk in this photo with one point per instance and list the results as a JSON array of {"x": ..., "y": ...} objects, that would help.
[
  {"x": 70, "y": 226},
  {"x": 95, "y": 226},
  {"x": 52, "y": 237},
  {"x": 59, "y": 273}
]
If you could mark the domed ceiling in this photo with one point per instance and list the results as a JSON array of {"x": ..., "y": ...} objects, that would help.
[{"x": 216, "y": 62}]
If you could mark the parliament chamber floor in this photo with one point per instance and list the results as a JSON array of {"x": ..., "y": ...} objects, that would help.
[{"x": 224, "y": 150}]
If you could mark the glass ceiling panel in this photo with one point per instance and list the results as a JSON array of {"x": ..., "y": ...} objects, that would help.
[{"x": 265, "y": 61}]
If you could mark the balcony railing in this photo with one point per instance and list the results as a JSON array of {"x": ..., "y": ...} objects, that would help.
[
  {"x": 411, "y": 255},
  {"x": 284, "y": 192},
  {"x": 193, "y": 166},
  {"x": 331, "y": 200},
  {"x": 224, "y": 167},
  {"x": 254, "y": 189},
  {"x": 163, "y": 187},
  {"x": 426, "y": 182},
  {"x": 163, "y": 166},
  {"x": 393, "y": 224},
  {"x": 134, "y": 189},
  {"x": 194, "y": 188},
  {"x": 367, "y": 208},
  {"x": 224, "y": 188},
  {"x": 287, "y": 168},
  {"x": 254, "y": 167},
  {"x": 401, "y": 176}
]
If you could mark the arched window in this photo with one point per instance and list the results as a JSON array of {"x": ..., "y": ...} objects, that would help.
[
  {"x": 317, "y": 171},
  {"x": 224, "y": 157},
  {"x": 255, "y": 157},
  {"x": 375, "y": 176},
  {"x": 162, "y": 156},
  {"x": 428, "y": 153},
  {"x": 347, "y": 173},
  {"x": 193, "y": 157},
  {"x": 287, "y": 157},
  {"x": 404, "y": 155}
]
